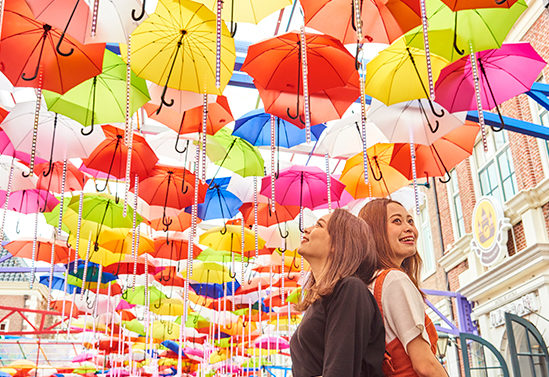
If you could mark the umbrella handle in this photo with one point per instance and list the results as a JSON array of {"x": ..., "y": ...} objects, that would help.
[
  {"x": 461, "y": 52},
  {"x": 358, "y": 49},
  {"x": 142, "y": 12},
  {"x": 163, "y": 98},
  {"x": 499, "y": 3},
  {"x": 58, "y": 49},
  {"x": 231, "y": 275},
  {"x": 290, "y": 115},
  {"x": 42, "y": 210},
  {"x": 224, "y": 230},
  {"x": 500, "y": 128},
  {"x": 431, "y": 128},
  {"x": 378, "y": 169},
  {"x": 445, "y": 180},
  {"x": 234, "y": 25},
  {"x": 26, "y": 175},
  {"x": 86, "y": 133},
  {"x": 434, "y": 111},
  {"x": 184, "y": 149},
  {"x": 125, "y": 295}
]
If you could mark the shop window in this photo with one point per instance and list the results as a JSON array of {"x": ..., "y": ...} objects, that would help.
[
  {"x": 425, "y": 244},
  {"x": 495, "y": 167},
  {"x": 455, "y": 201}
]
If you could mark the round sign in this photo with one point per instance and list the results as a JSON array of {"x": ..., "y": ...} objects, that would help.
[{"x": 485, "y": 220}]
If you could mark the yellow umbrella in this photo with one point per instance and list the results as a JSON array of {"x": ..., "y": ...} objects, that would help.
[
  {"x": 8, "y": 370},
  {"x": 383, "y": 179},
  {"x": 168, "y": 306},
  {"x": 176, "y": 47},
  {"x": 251, "y": 11},
  {"x": 228, "y": 238},
  {"x": 165, "y": 330},
  {"x": 261, "y": 352},
  {"x": 220, "y": 355},
  {"x": 209, "y": 272},
  {"x": 97, "y": 254},
  {"x": 399, "y": 73},
  {"x": 22, "y": 364}
]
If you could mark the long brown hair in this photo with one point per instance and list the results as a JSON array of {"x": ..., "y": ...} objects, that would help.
[
  {"x": 374, "y": 213},
  {"x": 352, "y": 254}
]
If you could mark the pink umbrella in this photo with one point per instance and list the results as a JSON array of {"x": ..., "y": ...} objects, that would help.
[
  {"x": 271, "y": 342},
  {"x": 123, "y": 304},
  {"x": 83, "y": 357},
  {"x": 304, "y": 186},
  {"x": 119, "y": 372},
  {"x": 229, "y": 369},
  {"x": 29, "y": 201},
  {"x": 503, "y": 74}
]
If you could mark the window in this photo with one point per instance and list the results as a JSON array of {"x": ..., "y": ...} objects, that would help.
[
  {"x": 495, "y": 167},
  {"x": 456, "y": 204},
  {"x": 4, "y": 326},
  {"x": 426, "y": 243}
]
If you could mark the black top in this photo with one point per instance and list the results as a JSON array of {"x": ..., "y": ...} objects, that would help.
[{"x": 341, "y": 335}]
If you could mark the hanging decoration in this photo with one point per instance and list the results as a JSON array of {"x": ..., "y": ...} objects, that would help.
[
  {"x": 135, "y": 236},
  {"x": 414, "y": 173},
  {"x": 36, "y": 118},
  {"x": 305, "y": 75},
  {"x": 86, "y": 264},
  {"x": 256, "y": 235},
  {"x": 34, "y": 242},
  {"x": 474, "y": 68},
  {"x": 94, "y": 18},
  {"x": 127, "y": 125},
  {"x": 218, "y": 45},
  {"x": 363, "y": 130},
  {"x": 425, "y": 26},
  {"x": 128, "y": 171},
  {"x": 80, "y": 205},
  {"x": 273, "y": 173},
  {"x": 8, "y": 192},
  {"x": 328, "y": 182},
  {"x": 204, "y": 135}
]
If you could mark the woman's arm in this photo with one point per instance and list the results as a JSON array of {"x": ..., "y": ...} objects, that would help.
[{"x": 424, "y": 362}]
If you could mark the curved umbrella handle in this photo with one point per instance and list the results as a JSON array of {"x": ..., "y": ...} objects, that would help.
[
  {"x": 434, "y": 111},
  {"x": 461, "y": 52},
  {"x": 445, "y": 174},
  {"x": 42, "y": 210},
  {"x": 86, "y": 133},
  {"x": 224, "y": 230},
  {"x": 380, "y": 177},
  {"x": 58, "y": 47},
  {"x": 500, "y": 128},
  {"x": 125, "y": 294},
  {"x": 297, "y": 112},
  {"x": 104, "y": 188},
  {"x": 234, "y": 26},
  {"x": 231, "y": 275},
  {"x": 431, "y": 127},
  {"x": 163, "y": 98},
  {"x": 184, "y": 149},
  {"x": 142, "y": 12},
  {"x": 290, "y": 269},
  {"x": 45, "y": 173},
  {"x": 500, "y": 2}
]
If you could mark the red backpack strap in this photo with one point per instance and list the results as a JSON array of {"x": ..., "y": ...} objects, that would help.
[{"x": 379, "y": 287}]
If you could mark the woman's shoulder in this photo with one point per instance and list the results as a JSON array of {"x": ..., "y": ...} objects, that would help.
[{"x": 398, "y": 280}]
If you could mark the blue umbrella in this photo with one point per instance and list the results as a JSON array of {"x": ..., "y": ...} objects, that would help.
[
  {"x": 213, "y": 290},
  {"x": 92, "y": 274},
  {"x": 219, "y": 203},
  {"x": 255, "y": 127},
  {"x": 171, "y": 345},
  {"x": 57, "y": 284}
]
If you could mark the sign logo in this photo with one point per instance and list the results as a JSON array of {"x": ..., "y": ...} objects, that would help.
[{"x": 490, "y": 229}]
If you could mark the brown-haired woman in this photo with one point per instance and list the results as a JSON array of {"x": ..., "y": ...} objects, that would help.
[
  {"x": 342, "y": 331},
  {"x": 410, "y": 335}
]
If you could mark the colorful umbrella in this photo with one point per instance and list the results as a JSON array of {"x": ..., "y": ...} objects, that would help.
[
  {"x": 229, "y": 238},
  {"x": 219, "y": 203},
  {"x": 42, "y": 250},
  {"x": 265, "y": 215},
  {"x": 241, "y": 157},
  {"x": 456, "y": 5}
]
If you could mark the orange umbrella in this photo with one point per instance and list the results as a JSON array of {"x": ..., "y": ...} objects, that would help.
[
  {"x": 383, "y": 178},
  {"x": 440, "y": 157},
  {"x": 456, "y": 5},
  {"x": 126, "y": 266},
  {"x": 22, "y": 248},
  {"x": 50, "y": 177},
  {"x": 174, "y": 246},
  {"x": 383, "y": 21},
  {"x": 178, "y": 223},
  {"x": 29, "y": 46},
  {"x": 169, "y": 277},
  {"x": 189, "y": 121},
  {"x": 265, "y": 216},
  {"x": 57, "y": 306},
  {"x": 112, "y": 154}
]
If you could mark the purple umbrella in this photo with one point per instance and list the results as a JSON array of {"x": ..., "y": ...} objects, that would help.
[
  {"x": 503, "y": 74},
  {"x": 304, "y": 186}
]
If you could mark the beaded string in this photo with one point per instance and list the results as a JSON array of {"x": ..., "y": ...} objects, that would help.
[
  {"x": 273, "y": 173},
  {"x": 36, "y": 118},
  {"x": 94, "y": 18},
  {"x": 86, "y": 264},
  {"x": 218, "y": 45},
  {"x": 6, "y": 201},
  {"x": 425, "y": 25},
  {"x": 80, "y": 205},
  {"x": 328, "y": 182},
  {"x": 473, "y": 59},
  {"x": 414, "y": 173},
  {"x": 135, "y": 236},
  {"x": 256, "y": 225},
  {"x": 363, "y": 130},
  {"x": 127, "y": 125},
  {"x": 204, "y": 134},
  {"x": 34, "y": 244},
  {"x": 305, "y": 74},
  {"x": 128, "y": 170},
  {"x": 1, "y": 15},
  {"x": 358, "y": 20}
]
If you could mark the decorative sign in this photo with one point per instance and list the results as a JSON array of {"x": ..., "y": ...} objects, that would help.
[
  {"x": 522, "y": 306},
  {"x": 490, "y": 229}
]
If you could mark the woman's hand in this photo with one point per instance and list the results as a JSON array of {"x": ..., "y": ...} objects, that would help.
[{"x": 424, "y": 362}]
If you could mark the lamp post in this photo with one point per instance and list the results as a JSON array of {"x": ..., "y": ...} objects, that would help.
[{"x": 442, "y": 345}]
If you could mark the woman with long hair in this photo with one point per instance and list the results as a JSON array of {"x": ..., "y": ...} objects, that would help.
[
  {"x": 341, "y": 333},
  {"x": 410, "y": 336}
]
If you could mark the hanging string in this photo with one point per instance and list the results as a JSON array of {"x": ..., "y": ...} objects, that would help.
[
  {"x": 363, "y": 129},
  {"x": 358, "y": 20},
  {"x": 127, "y": 125},
  {"x": 425, "y": 26},
  {"x": 94, "y": 18},
  {"x": 328, "y": 182},
  {"x": 128, "y": 169},
  {"x": 6, "y": 201},
  {"x": 36, "y": 118},
  {"x": 282, "y": 270},
  {"x": 86, "y": 265},
  {"x": 34, "y": 243},
  {"x": 204, "y": 134},
  {"x": 1, "y": 15},
  {"x": 218, "y": 45},
  {"x": 273, "y": 173},
  {"x": 414, "y": 174},
  {"x": 473, "y": 59},
  {"x": 135, "y": 237},
  {"x": 242, "y": 243},
  {"x": 256, "y": 225},
  {"x": 80, "y": 204},
  {"x": 305, "y": 71}
]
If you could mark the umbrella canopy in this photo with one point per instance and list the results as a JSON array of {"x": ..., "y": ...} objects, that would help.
[
  {"x": 176, "y": 47},
  {"x": 383, "y": 178},
  {"x": 304, "y": 186},
  {"x": 241, "y": 157},
  {"x": 251, "y": 11},
  {"x": 265, "y": 216},
  {"x": 456, "y": 5},
  {"x": 102, "y": 98},
  {"x": 50, "y": 177},
  {"x": 219, "y": 203},
  {"x": 23, "y": 248},
  {"x": 228, "y": 238},
  {"x": 29, "y": 46},
  {"x": 137, "y": 295},
  {"x": 503, "y": 74},
  {"x": 29, "y": 201},
  {"x": 208, "y": 272},
  {"x": 383, "y": 21}
]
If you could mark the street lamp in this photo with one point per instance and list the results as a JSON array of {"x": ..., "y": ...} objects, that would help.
[{"x": 442, "y": 345}]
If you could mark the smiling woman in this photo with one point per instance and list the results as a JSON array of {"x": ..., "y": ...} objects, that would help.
[{"x": 342, "y": 331}]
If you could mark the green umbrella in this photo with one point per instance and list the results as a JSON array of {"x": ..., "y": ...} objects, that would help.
[
  {"x": 104, "y": 209},
  {"x": 101, "y": 99},
  {"x": 137, "y": 296},
  {"x": 241, "y": 157},
  {"x": 194, "y": 320},
  {"x": 135, "y": 325},
  {"x": 484, "y": 28},
  {"x": 52, "y": 217},
  {"x": 212, "y": 255}
]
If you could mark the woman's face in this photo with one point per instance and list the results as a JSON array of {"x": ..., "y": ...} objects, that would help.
[
  {"x": 401, "y": 232},
  {"x": 315, "y": 246}
]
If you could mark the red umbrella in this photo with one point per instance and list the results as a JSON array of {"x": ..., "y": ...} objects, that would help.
[
  {"x": 173, "y": 246},
  {"x": 126, "y": 266},
  {"x": 383, "y": 21},
  {"x": 456, "y": 5},
  {"x": 265, "y": 216},
  {"x": 437, "y": 159},
  {"x": 29, "y": 45},
  {"x": 178, "y": 223},
  {"x": 22, "y": 248},
  {"x": 171, "y": 187},
  {"x": 112, "y": 154},
  {"x": 53, "y": 180},
  {"x": 275, "y": 63},
  {"x": 189, "y": 121},
  {"x": 170, "y": 277}
]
